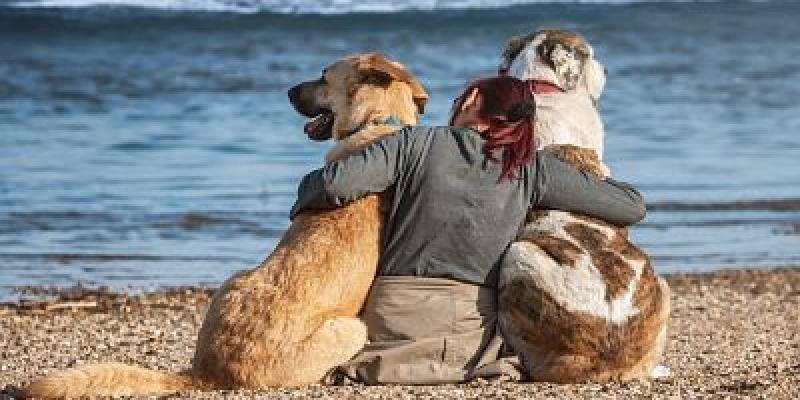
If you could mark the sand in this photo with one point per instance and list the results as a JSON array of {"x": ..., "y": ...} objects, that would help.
[{"x": 732, "y": 334}]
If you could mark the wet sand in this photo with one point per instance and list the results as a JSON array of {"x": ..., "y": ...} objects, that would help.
[{"x": 732, "y": 334}]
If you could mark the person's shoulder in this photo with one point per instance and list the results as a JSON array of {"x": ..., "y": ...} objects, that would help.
[
  {"x": 431, "y": 130},
  {"x": 427, "y": 137},
  {"x": 423, "y": 130},
  {"x": 421, "y": 138},
  {"x": 422, "y": 133}
]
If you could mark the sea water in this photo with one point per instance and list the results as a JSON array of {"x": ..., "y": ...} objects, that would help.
[{"x": 150, "y": 143}]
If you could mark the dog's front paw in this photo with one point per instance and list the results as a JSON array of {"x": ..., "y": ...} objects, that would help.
[
  {"x": 660, "y": 372},
  {"x": 605, "y": 170}
]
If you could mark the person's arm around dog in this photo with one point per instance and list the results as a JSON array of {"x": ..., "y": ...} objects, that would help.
[
  {"x": 557, "y": 185},
  {"x": 372, "y": 170},
  {"x": 457, "y": 198},
  {"x": 561, "y": 186}
]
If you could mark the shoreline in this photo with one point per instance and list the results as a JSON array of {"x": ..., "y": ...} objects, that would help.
[
  {"x": 732, "y": 333},
  {"x": 37, "y": 299}
]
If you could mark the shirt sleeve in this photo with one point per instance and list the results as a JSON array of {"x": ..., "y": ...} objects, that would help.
[
  {"x": 371, "y": 170},
  {"x": 561, "y": 186}
]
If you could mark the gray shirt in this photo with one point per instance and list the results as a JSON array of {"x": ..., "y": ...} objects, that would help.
[{"x": 449, "y": 215}]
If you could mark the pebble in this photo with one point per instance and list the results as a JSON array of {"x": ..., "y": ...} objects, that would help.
[{"x": 733, "y": 334}]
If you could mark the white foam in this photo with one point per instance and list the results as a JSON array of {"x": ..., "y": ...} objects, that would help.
[{"x": 310, "y": 6}]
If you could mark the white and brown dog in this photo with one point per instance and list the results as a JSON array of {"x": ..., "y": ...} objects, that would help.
[{"x": 577, "y": 300}]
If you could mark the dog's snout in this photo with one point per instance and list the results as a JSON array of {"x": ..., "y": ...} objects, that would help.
[
  {"x": 303, "y": 98},
  {"x": 294, "y": 94}
]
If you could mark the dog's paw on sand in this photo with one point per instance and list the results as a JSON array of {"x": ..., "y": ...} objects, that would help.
[{"x": 661, "y": 372}]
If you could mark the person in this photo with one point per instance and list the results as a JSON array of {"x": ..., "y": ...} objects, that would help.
[{"x": 459, "y": 196}]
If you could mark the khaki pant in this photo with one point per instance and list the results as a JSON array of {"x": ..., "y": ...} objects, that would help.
[{"x": 429, "y": 331}]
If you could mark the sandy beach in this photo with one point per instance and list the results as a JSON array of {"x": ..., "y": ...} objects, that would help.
[
  {"x": 733, "y": 333},
  {"x": 147, "y": 145}
]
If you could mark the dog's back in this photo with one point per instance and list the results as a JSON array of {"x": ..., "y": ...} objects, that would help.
[
  {"x": 568, "y": 118},
  {"x": 578, "y": 301}
]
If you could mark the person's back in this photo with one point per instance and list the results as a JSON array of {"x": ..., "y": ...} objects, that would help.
[{"x": 450, "y": 217}]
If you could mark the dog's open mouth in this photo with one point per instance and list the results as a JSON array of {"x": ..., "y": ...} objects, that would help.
[{"x": 320, "y": 127}]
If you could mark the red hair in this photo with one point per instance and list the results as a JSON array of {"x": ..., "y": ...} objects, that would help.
[{"x": 508, "y": 107}]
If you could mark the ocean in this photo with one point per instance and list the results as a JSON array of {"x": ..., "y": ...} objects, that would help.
[{"x": 148, "y": 143}]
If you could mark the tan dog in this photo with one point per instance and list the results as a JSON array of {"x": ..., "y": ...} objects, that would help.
[
  {"x": 577, "y": 300},
  {"x": 293, "y": 318}
]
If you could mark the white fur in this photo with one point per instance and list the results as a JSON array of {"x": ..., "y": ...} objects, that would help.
[
  {"x": 528, "y": 65},
  {"x": 594, "y": 75},
  {"x": 564, "y": 118},
  {"x": 568, "y": 118},
  {"x": 580, "y": 288},
  {"x": 571, "y": 118}
]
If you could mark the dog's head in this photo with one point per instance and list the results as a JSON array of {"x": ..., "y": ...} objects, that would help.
[
  {"x": 561, "y": 57},
  {"x": 358, "y": 90}
]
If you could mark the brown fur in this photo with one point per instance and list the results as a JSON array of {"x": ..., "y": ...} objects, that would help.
[
  {"x": 574, "y": 347},
  {"x": 601, "y": 314},
  {"x": 564, "y": 59},
  {"x": 583, "y": 159},
  {"x": 569, "y": 39},
  {"x": 565, "y": 53},
  {"x": 566, "y": 346},
  {"x": 604, "y": 255},
  {"x": 292, "y": 318},
  {"x": 563, "y": 251}
]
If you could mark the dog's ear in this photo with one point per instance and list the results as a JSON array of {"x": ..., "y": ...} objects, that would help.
[
  {"x": 594, "y": 75},
  {"x": 512, "y": 50},
  {"x": 375, "y": 69}
]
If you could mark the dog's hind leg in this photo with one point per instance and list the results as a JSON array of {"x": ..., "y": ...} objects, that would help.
[{"x": 334, "y": 343}]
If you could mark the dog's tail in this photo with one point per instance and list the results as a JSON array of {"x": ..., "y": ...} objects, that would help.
[{"x": 110, "y": 379}]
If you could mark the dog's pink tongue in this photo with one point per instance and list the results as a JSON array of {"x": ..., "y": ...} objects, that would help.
[
  {"x": 314, "y": 125},
  {"x": 319, "y": 127}
]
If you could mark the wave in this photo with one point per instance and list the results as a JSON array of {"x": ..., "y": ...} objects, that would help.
[{"x": 316, "y": 6}]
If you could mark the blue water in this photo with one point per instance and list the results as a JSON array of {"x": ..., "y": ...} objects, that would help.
[{"x": 142, "y": 147}]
